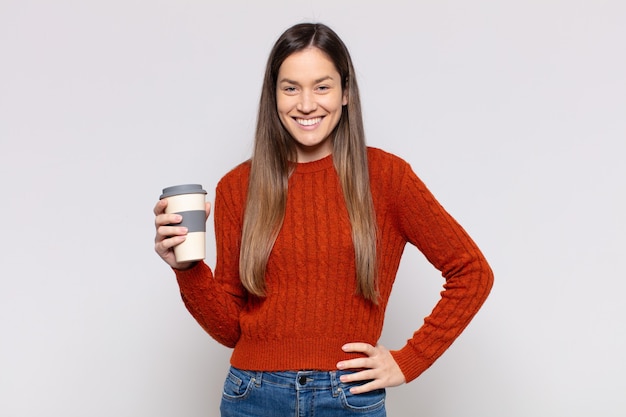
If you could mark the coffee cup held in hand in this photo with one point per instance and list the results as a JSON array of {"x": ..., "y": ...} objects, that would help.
[{"x": 188, "y": 200}]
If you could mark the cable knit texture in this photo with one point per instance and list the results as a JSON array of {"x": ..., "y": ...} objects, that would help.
[{"x": 311, "y": 308}]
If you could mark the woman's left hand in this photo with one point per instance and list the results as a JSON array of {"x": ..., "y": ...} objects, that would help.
[{"x": 379, "y": 367}]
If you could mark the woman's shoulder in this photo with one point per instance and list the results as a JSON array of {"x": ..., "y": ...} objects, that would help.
[
  {"x": 381, "y": 161},
  {"x": 237, "y": 177}
]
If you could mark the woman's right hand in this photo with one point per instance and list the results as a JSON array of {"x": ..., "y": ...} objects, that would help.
[{"x": 168, "y": 234}]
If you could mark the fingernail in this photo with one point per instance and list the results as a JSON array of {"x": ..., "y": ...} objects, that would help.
[{"x": 340, "y": 365}]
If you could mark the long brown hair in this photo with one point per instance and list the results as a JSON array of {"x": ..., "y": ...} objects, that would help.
[{"x": 272, "y": 163}]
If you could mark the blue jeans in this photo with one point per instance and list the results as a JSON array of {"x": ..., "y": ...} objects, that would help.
[{"x": 296, "y": 394}]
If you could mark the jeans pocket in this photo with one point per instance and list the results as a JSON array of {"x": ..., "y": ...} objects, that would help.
[
  {"x": 237, "y": 385},
  {"x": 367, "y": 401}
]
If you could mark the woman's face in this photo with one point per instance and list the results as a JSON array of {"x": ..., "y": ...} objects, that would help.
[{"x": 309, "y": 100}]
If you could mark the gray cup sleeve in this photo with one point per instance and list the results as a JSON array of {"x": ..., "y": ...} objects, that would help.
[{"x": 194, "y": 220}]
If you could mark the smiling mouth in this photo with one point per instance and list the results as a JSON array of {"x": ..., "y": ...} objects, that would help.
[{"x": 309, "y": 122}]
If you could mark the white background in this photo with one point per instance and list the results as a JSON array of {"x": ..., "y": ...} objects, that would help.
[{"x": 512, "y": 112}]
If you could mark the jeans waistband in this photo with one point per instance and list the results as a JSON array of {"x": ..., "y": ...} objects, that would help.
[{"x": 300, "y": 380}]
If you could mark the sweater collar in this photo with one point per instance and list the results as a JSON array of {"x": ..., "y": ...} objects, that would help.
[{"x": 314, "y": 166}]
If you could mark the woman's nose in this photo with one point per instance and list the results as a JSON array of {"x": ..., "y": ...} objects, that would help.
[{"x": 307, "y": 103}]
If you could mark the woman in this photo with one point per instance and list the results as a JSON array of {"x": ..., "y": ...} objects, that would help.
[{"x": 309, "y": 236}]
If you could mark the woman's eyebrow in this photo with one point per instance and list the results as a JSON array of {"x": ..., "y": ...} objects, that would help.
[{"x": 319, "y": 80}]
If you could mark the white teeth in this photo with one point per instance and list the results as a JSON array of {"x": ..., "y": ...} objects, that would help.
[{"x": 309, "y": 122}]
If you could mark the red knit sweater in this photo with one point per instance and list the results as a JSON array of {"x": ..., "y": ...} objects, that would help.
[{"x": 311, "y": 308}]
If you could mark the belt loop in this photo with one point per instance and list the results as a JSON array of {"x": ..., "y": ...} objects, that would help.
[
  {"x": 258, "y": 379},
  {"x": 334, "y": 383}
]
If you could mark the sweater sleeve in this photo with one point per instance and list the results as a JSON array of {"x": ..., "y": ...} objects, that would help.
[
  {"x": 448, "y": 247},
  {"x": 215, "y": 300}
]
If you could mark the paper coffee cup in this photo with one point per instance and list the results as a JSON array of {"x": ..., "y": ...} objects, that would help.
[{"x": 188, "y": 200}]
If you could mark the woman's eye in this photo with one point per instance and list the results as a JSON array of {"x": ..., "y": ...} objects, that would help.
[{"x": 289, "y": 90}]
